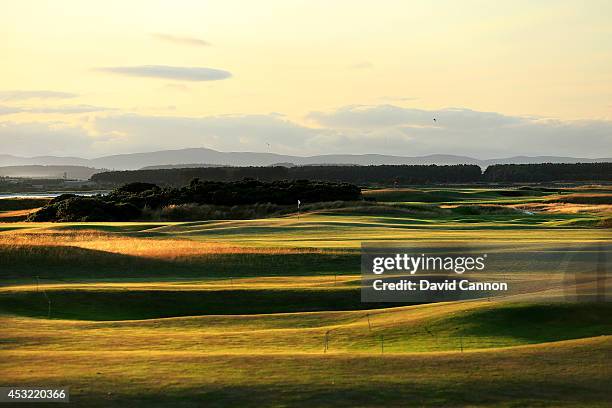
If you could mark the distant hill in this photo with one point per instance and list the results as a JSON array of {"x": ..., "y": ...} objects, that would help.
[
  {"x": 203, "y": 157},
  {"x": 10, "y": 160},
  {"x": 50, "y": 172},
  {"x": 181, "y": 166}
]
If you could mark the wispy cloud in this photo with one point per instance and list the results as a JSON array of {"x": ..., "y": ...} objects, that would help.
[
  {"x": 8, "y": 110},
  {"x": 66, "y": 109},
  {"x": 18, "y": 95},
  {"x": 182, "y": 40},
  {"x": 169, "y": 72}
]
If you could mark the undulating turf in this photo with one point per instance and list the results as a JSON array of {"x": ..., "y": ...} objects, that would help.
[{"x": 267, "y": 312}]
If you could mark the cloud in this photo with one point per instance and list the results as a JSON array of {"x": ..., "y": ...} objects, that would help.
[
  {"x": 45, "y": 138},
  {"x": 8, "y": 110},
  {"x": 66, "y": 109},
  {"x": 357, "y": 129},
  {"x": 192, "y": 41},
  {"x": 225, "y": 132},
  {"x": 69, "y": 109},
  {"x": 405, "y": 131},
  {"x": 23, "y": 95},
  {"x": 168, "y": 72},
  {"x": 373, "y": 129},
  {"x": 380, "y": 116},
  {"x": 368, "y": 117}
]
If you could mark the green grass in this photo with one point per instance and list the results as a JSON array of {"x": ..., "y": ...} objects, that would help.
[
  {"x": 211, "y": 359},
  {"x": 572, "y": 374},
  {"x": 583, "y": 199},
  {"x": 258, "y": 320},
  {"x": 449, "y": 195},
  {"x": 538, "y": 323},
  {"x": 11, "y": 204},
  {"x": 135, "y": 328},
  {"x": 73, "y": 263},
  {"x": 126, "y": 304},
  {"x": 334, "y": 231}
]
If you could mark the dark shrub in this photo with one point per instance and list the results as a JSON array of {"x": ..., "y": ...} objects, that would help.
[
  {"x": 136, "y": 188},
  {"x": 248, "y": 198},
  {"x": 62, "y": 197}
]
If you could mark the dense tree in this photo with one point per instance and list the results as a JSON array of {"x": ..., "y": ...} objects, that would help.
[
  {"x": 127, "y": 202},
  {"x": 549, "y": 172},
  {"x": 370, "y": 175},
  {"x": 362, "y": 175}
]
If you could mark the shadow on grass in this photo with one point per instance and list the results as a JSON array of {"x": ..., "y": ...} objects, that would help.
[
  {"x": 538, "y": 323},
  {"x": 74, "y": 263},
  {"x": 505, "y": 392},
  {"x": 148, "y": 304}
]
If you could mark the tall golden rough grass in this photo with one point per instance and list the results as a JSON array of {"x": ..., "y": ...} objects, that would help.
[
  {"x": 16, "y": 213},
  {"x": 161, "y": 248},
  {"x": 566, "y": 208},
  {"x": 582, "y": 198}
]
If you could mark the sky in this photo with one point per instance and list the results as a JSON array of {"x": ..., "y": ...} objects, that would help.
[{"x": 307, "y": 77}]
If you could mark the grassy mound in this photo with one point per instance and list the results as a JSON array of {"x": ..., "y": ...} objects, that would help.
[
  {"x": 583, "y": 199},
  {"x": 569, "y": 374},
  {"x": 485, "y": 210},
  {"x": 537, "y": 323},
  {"x": 13, "y": 204},
  {"x": 18, "y": 209},
  {"x": 448, "y": 195},
  {"x": 148, "y": 304},
  {"x": 605, "y": 222}
]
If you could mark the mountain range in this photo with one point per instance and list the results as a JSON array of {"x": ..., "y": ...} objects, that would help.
[{"x": 196, "y": 157}]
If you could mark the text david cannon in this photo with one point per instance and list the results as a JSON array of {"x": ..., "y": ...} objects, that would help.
[{"x": 426, "y": 285}]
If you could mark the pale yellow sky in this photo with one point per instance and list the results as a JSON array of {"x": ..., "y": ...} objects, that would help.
[{"x": 549, "y": 59}]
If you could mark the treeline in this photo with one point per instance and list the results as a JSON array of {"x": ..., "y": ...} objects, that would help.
[
  {"x": 548, "y": 172},
  {"x": 130, "y": 201},
  {"x": 385, "y": 175},
  {"x": 26, "y": 185},
  {"x": 361, "y": 175}
]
